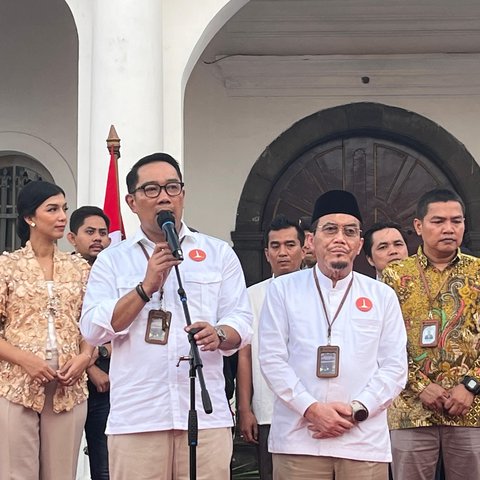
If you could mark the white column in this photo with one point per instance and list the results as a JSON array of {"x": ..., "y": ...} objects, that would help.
[
  {"x": 126, "y": 85},
  {"x": 199, "y": 21}
]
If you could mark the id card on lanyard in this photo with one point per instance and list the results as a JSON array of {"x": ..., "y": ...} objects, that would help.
[{"x": 328, "y": 356}]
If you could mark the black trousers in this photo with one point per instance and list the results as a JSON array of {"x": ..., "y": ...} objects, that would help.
[
  {"x": 265, "y": 466},
  {"x": 98, "y": 409}
]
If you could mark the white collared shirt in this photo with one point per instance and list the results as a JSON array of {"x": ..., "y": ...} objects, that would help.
[
  {"x": 372, "y": 363},
  {"x": 262, "y": 398},
  {"x": 148, "y": 391}
]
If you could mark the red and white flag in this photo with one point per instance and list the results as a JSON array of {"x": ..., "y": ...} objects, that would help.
[{"x": 111, "y": 206}]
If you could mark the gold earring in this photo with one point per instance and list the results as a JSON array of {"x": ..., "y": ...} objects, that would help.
[{"x": 33, "y": 224}]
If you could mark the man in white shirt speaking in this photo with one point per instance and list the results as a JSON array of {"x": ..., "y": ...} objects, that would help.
[
  {"x": 332, "y": 349},
  {"x": 132, "y": 301}
]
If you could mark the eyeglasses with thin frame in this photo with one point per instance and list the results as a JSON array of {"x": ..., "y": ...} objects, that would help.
[
  {"x": 153, "y": 190},
  {"x": 332, "y": 229}
]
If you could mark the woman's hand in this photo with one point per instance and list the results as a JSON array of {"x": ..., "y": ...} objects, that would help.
[
  {"x": 73, "y": 369},
  {"x": 37, "y": 368}
]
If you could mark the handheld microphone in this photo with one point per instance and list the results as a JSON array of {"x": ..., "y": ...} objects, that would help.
[{"x": 166, "y": 221}]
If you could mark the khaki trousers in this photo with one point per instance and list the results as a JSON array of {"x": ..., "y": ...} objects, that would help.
[
  {"x": 41, "y": 446},
  {"x": 415, "y": 452},
  {"x": 309, "y": 467},
  {"x": 165, "y": 455}
]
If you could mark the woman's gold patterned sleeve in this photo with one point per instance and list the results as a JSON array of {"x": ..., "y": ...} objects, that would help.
[
  {"x": 4, "y": 274},
  {"x": 85, "y": 273}
]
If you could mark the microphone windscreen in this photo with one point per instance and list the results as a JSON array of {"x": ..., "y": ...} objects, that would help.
[{"x": 165, "y": 216}]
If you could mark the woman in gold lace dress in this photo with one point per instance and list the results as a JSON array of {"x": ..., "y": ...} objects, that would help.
[{"x": 42, "y": 356}]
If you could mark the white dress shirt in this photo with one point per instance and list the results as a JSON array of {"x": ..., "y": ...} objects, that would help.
[
  {"x": 372, "y": 363},
  {"x": 262, "y": 399},
  {"x": 148, "y": 391}
]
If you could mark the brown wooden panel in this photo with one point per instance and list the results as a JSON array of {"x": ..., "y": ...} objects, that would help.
[{"x": 386, "y": 177}]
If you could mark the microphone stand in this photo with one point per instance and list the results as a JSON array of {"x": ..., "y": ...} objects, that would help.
[{"x": 196, "y": 367}]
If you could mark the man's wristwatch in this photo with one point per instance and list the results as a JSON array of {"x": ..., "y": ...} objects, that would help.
[
  {"x": 359, "y": 411},
  {"x": 221, "y": 334},
  {"x": 471, "y": 384},
  {"x": 103, "y": 351}
]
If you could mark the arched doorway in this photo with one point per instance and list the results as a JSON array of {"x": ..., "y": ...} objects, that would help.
[{"x": 387, "y": 156}]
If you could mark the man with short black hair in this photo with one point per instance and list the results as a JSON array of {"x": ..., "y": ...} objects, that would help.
[
  {"x": 283, "y": 242},
  {"x": 309, "y": 259},
  {"x": 438, "y": 288},
  {"x": 132, "y": 300},
  {"x": 332, "y": 349},
  {"x": 89, "y": 227},
  {"x": 384, "y": 242}
]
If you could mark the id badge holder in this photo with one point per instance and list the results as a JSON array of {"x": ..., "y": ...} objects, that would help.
[
  {"x": 158, "y": 327},
  {"x": 429, "y": 333},
  {"x": 327, "y": 361}
]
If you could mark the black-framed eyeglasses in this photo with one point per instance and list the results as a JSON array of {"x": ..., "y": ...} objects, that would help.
[
  {"x": 332, "y": 229},
  {"x": 153, "y": 190}
]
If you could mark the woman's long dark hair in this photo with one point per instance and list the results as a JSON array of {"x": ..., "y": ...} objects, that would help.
[{"x": 31, "y": 196}]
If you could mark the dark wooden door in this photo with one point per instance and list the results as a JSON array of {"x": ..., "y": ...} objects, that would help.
[{"x": 386, "y": 177}]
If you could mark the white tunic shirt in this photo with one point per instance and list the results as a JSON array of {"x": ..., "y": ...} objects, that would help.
[
  {"x": 371, "y": 336},
  {"x": 262, "y": 399},
  {"x": 148, "y": 391}
]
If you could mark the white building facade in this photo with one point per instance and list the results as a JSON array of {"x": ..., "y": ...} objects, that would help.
[
  {"x": 215, "y": 82},
  {"x": 265, "y": 103}
]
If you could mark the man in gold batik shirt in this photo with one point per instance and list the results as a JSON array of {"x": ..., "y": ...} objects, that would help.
[{"x": 439, "y": 292}]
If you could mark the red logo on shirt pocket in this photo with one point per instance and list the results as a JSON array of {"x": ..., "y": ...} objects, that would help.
[
  {"x": 364, "y": 304},
  {"x": 197, "y": 255}
]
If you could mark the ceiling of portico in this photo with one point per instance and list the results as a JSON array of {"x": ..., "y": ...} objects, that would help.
[
  {"x": 337, "y": 47},
  {"x": 350, "y": 27}
]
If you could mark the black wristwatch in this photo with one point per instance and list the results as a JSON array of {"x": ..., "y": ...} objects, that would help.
[
  {"x": 359, "y": 411},
  {"x": 103, "y": 351},
  {"x": 471, "y": 384}
]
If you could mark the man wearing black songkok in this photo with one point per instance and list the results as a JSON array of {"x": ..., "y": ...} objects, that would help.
[{"x": 332, "y": 349}]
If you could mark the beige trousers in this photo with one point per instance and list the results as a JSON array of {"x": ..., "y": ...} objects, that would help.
[
  {"x": 165, "y": 455},
  {"x": 308, "y": 467},
  {"x": 41, "y": 446}
]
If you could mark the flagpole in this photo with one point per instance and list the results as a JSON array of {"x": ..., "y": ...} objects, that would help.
[
  {"x": 113, "y": 142},
  {"x": 112, "y": 193}
]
